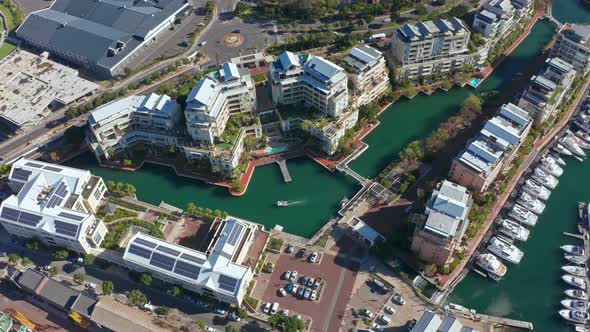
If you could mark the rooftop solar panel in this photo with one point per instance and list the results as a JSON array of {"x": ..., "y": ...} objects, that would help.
[
  {"x": 52, "y": 169},
  {"x": 71, "y": 216},
  {"x": 161, "y": 261},
  {"x": 145, "y": 243},
  {"x": 187, "y": 270},
  {"x": 139, "y": 251},
  {"x": 20, "y": 174},
  {"x": 168, "y": 250},
  {"x": 29, "y": 219},
  {"x": 61, "y": 190},
  {"x": 227, "y": 283},
  {"x": 10, "y": 214},
  {"x": 66, "y": 228},
  {"x": 235, "y": 234},
  {"x": 192, "y": 258},
  {"x": 30, "y": 164}
]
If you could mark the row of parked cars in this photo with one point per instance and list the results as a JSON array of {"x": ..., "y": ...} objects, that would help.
[
  {"x": 312, "y": 258},
  {"x": 305, "y": 287}
]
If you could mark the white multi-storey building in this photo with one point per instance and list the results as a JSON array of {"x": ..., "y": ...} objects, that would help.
[
  {"x": 217, "y": 273},
  {"x": 495, "y": 18},
  {"x": 312, "y": 80},
  {"x": 55, "y": 204},
  {"x": 122, "y": 123},
  {"x": 573, "y": 46},
  {"x": 217, "y": 96},
  {"x": 430, "y": 47},
  {"x": 547, "y": 89},
  {"x": 368, "y": 73}
]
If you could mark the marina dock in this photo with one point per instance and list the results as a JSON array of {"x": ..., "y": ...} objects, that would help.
[{"x": 284, "y": 170}]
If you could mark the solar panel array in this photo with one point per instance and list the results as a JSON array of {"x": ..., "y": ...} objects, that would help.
[
  {"x": 71, "y": 216},
  {"x": 193, "y": 259},
  {"x": 58, "y": 196},
  {"x": 21, "y": 174},
  {"x": 66, "y": 228},
  {"x": 52, "y": 169},
  {"x": 168, "y": 250},
  {"x": 161, "y": 261},
  {"x": 145, "y": 243},
  {"x": 235, "y": 234},
  {"x": 187, "y": 270},
  {"x": 139, "y": 251},
  {"x": 33, "y": 165},
  {"x": 227, "y": 283},
  {"x": 25, "y": 218}
]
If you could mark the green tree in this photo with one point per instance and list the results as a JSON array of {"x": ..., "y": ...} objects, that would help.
[
  {"x": 89, "y": 259},
  {"x": 420, "y": 9},
  {"x": 108, "y": 287},
  {"x": 472, "y": 103},
  {"x": 231, "y": 328},
  {"x": 242, "y": 313},
  {"x": 286, "y": 324},
  {"x": 33, "y": 244},
  {"x": 129, "y": 189},
  {"x": 80, "y": 277},
  {"x": 53, "y": 271},
  {"x": 13, "y": 258},
  {"x": 201, "y": 325},
  {"x": 26, "y": 261},
  {"x": 61, "y": 254},
  {"x": 414, "y": 151},
  {"x": 163, "y": 310},
  {"x": 145, "y": 279},
  {"x": 369, "y": 111},
  {"x": 137, "y": 297},
  {"x": 176, "y": 290},
  {"x": 5, "y": 169}
]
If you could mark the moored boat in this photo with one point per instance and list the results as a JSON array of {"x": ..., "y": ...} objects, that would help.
[
  {"x": 562, "y": 150},
  {"x": 570, "y": 143},
  {"x": 505, "y": 250},
  {"x": 574, "y": 281},
  {"x": 576, "y": 294},
  {"x": 583, "y": 135},
  {"x": 575, "y": 304},
  {"x": 548, "y": 164},
  {"x": 575, "y": 259},
  {"x": 545, "y": 178},
  {"x": 574, "y": 316},
  {"x": 536, "y": 189},
  {"x": 492, "y": 265},
  {"x": 573, "y": 250},
  {"x": 575, "y": 270},
  {"x": 531, "y": 203},
  {"x": 523, "y": 215},
  {"x": 513, "y": 230}
]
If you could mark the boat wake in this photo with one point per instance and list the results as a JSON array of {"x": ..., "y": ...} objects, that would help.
[{"x": 296, "y": 203}]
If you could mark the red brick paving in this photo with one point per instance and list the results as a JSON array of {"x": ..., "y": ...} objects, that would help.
[
  {"x": 329, "y": 270},
  {"x": 257, "y": 247}
]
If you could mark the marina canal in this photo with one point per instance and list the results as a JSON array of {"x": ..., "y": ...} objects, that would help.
[{"x": 316, "y": 191}]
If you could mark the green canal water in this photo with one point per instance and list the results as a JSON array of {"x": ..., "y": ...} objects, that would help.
[
  {"x": 316, "y": 191},
  {"x": 532, "y": 290}
]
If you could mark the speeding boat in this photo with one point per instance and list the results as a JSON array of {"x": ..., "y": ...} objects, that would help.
[
  {"x": 574, "y": 281},
  {"x": 570, "y": 143},
  {"x": 575, "y": 259},
  {"x": 530, "y": 203},
  {"x": 523, "y": 215},
  {"x": 505, "y": 250},
  {"x": 282, "y": 203},
  {"x": 573, "y": 250},
  {"x": 576, "y": 294},
  {"x": 574, "y": 316},
  {"x": 575, "y": 270},
  {"x": 513, "y": 230},
  {"x": 548, "y": 164},
  {"x": 575, "y": 304},
  {"x": 545, "y": 178},
  {"x": 537, "y": 190},
  {"x": 562, "y": 150},
  {"x": 492, "y": 265}
]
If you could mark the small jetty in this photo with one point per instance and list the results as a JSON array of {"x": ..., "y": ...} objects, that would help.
[{"x": 284, "y": 170}]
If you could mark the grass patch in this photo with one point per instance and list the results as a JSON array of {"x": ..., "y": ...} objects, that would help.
[
  {"x": 5, "y": 49},
  {"x": 120, "y": 213},
  {"x": 224, "y": 146},
  {"x": 116, "y": 232},
  {"x": 9, "y": 17},
  {"x": 259, "y": 77},
  {"x": 128, "y": 205}
]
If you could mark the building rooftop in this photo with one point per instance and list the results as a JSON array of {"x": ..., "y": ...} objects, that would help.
[
  {"x": 115, "y": 109},
  {"x": 362, "y": 57},
  {"x": 442, "y": 224},
  {"x": 430, "y": 29},
  {"x": 117, "y": 316},
  {"x": 323, "y": 70},
  {"x": 450, "y": 199},
  {"x": 579, "y": 33},
  {"x": 366, "y": 231},
  {"x": 104, "y": 32},
  {"x": 431, "y": 322},
  {"x": 31, "y": 83},
  {"x": 50, "y": 290},
  {"x": 481, "y": 155}
]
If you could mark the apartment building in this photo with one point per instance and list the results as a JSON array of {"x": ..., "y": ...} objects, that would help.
[
  {"x": 440, "y": 229},
  {"x": 121, "y": 124},
  {"x": 573, "y": 46},
  {"x": 217, "y": 96},
  {"x": 221, "y": 159},
  {"x": 368, "y": 73},
  {"x": 218, "y": 272},
  {"x": 497, "y": 17},
  {"x": 55, "y": 204},
  {"x": 311, "y": 80},
  {"x": 547, "y": 89},
  {"x": 329, "y": 136},
  {"x": 430, "y": 47},
  {"x": 495, "y": 146}
]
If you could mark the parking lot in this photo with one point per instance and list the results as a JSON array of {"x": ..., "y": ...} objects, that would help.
[{"x": 337, "y": 275}]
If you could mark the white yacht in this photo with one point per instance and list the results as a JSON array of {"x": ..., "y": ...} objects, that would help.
[
  {"x": 583, "y": 135},
  {"x": 531, "y": 203},
  {"x": 505, "y": 250},
  {"x": 575, "y": 259},
  {"x": 513, "y": 230},
  {"x": 562, "y": 150},
  {"x": 575, "y": 304},
  {"x": 574, "y": 270},
  {"x": 574, "y": 316},
  {"x": 574, "y": 281},
  {"x": 523, "y": 215},
  {"x": 545, "y": 178},
  {"x": 550, "y": 165},
  {"x": 492, "y": 265},
  {"x": 576, "y": 294},
  {"x": 282, "y": 203},
  {"x": 557, "y": 158},
  {"x": 573, "y": 250},
  {"x": 571, "y": 144},
  {"x": 536, "y": 189}
]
